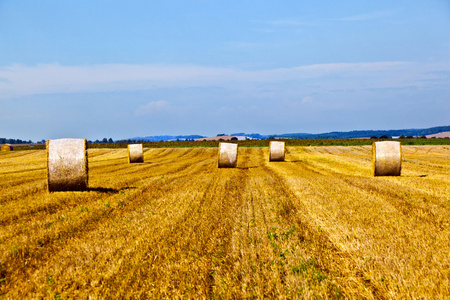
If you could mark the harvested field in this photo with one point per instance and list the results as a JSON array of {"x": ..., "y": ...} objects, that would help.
[{"x": 177, "y": 226}]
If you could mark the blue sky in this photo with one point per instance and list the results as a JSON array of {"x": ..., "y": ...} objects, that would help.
[{"x": 121, "y": 69}]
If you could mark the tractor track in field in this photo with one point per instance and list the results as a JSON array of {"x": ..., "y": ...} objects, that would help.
[
  {"x": 54, "y": 206},
  {"x": 177, "y": 226},
  {"x": 157, "y": 160},
  {"x": 327, "y": 252},
  {"x": 17, "y": 192},
  {"x": 392, "y": 192},
  {"x": 23, "y": 154},
  {"x": 92, "y": 222},
  {"x": 24, "y": 171},
  {"x": 204, "y": 225}
]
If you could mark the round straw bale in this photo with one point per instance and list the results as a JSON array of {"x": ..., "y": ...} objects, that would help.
[
  {"x": 277, "y": 150},
  {"x": 386, "y": 158},
  {"x": 67, "y": 165},
  {"x": 228, "y": 154},
  {"x": 7, "y": 147},
  {"x": 135, "y": 153}
]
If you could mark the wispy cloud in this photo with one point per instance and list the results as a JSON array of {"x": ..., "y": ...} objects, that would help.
[
  {"x": 21, "y": 80},
  {"x": 368, "y": 16},
  {"x": 289, "y": 22},
  {"x": 307, "y": 99},
  {"x": 240, "y": 45},
  {"x": 151, "y": 107}
]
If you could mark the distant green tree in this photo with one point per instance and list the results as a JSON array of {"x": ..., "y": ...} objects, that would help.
[
  {"x": 234, "y": 138},
  {"x": 401, "y": 137},
  {"x": 373, "y": 137},
  {"x": 110, "y": 140}
]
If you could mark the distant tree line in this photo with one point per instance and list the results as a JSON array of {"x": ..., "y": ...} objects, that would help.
[
  {"x": 130, "y": 141},
  {"x": 14, "y": 141},
  {"x": 104, "y": 141}
]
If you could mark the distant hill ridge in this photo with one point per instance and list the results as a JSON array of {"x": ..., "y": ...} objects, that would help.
[
  {"x": 367, "y": 133},
  {"x": 329, "y": 135}
]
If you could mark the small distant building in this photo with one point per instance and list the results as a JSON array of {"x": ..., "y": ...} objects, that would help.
[{"x": 243, "y": 138}]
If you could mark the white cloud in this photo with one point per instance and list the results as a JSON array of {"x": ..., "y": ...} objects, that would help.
[
  {"x": 289, "y": 22},
  {"x": 368, "y": 16},
  {"x": 20, "y": 80},
  {"x": 307, "y": 99},
  {"x": 153, "y": 106},
  {"x": 240, "y": 45}
]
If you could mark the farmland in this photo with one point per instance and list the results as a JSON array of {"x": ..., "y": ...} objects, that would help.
[{"x": 176, "y": 226}]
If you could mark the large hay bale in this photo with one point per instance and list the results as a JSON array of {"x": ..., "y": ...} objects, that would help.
[
  {"x": 67, "y": 165},
  {"x": 277, "y": 150},
  {"x": 228, "y": 154},
  {"x": 135, "y": 153},
  {"x": 7, "y": 147},
  {"x": 386, "y": 158}
]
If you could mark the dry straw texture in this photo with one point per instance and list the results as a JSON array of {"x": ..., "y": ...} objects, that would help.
[
  {"x": 317, "y": 227},
  {"x": 135, "y": 153},
  {"x": 228, "y": 154},
  {"x": 277, "y": 150},
  {"x": 67, "y": 165},
  {"x": 7, "y": 147},
  {"x": 386, "y": 158}
]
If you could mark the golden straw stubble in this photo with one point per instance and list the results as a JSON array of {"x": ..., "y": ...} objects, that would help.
[
  {"x": 135, "y": 153},
  {"x": 386, "y": 158},
  {"x": 67, "y": 165},
  {"x": 277, "y": 151},
  {"x": 228, "y": 154}
]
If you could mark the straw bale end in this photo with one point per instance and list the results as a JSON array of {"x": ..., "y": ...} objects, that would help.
[
  {"x": 228, "y": 154},
  {"x": 386, "y": 158},
  {"x": 135, "y": 153},
  {"x": 277, "y": 151},
  {"x": 67, "y": 165},
  {"x": 7, "y": 147}
]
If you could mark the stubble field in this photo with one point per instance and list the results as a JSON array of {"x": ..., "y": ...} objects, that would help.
[{"x": 176, "y": 226}]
